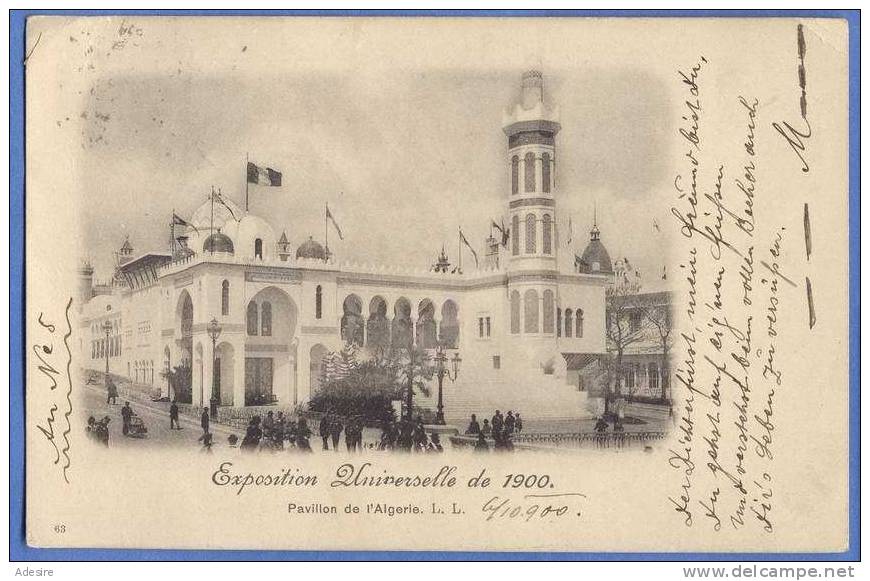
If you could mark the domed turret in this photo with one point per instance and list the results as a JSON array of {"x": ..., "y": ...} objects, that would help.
[
  {"x": 311, "y": 248},
  {"x": 218, "y": 242},
  {"x": 255, "y": 238},
  {"x": 595, "y": 259}
]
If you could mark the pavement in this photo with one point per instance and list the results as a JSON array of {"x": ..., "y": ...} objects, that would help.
[{"x": 155, "y": 416}]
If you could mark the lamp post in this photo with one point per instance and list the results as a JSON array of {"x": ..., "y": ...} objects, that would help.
[
  {"x": 214, "y": 331},
  {"x": 107, "y": 327},
  {"x": 441, "y": 372}
]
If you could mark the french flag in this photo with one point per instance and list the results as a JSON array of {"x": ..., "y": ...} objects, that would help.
[{"x": 263, "y": 176}]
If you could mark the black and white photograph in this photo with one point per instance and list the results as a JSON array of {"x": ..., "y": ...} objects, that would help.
[{"x": 557, "y": 285}]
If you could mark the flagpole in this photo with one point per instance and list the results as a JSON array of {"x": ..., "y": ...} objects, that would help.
[
  {"x": 172, "y": 235},
  {"x": 211, "y": 226},
  {"x": 246, "y": 181},
  {"x": 460, "y": 251},
  {"x": 326, "y": 228}
]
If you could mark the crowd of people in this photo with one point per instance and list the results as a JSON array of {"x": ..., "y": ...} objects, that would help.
[
  {"x": 408, "y": 436},
  {"x": 275, "y": 432},
  {"x": 331, "y": 427},
  {"x": 98, "y": 430},
  {"x": 501, "y": 429}
]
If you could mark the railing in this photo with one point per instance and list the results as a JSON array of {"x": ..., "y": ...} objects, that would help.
[
  {"x": 591, "y": 440},
  {"x": 607, "y": 440}
]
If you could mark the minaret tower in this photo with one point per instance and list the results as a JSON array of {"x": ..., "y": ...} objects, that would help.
[
  {"x": 531, "y": 258},
  {"x": 531, "y": 129}
]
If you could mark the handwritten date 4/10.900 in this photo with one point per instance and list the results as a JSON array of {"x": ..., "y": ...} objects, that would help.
[{"x": 537, "y": 507}]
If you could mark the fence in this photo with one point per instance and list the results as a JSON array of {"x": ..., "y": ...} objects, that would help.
[
  {"x": 614, "y": 440},
  {"x": 591, "y": 440}
]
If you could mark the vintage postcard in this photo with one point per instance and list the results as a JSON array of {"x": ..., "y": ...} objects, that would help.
[{"x": 454, "y": 284}]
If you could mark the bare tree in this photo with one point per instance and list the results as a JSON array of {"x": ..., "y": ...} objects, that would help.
[
  {"x": 626, "y": 325},
  {"x": 659, "y": 319}
]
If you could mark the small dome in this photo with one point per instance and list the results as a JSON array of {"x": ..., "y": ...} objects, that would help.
[
  {"x": 311, "y": 249},
  {"x": 251, "y": 230},
  {"x": 218, "y": 242},
  {"x": 595, "y": 259}
]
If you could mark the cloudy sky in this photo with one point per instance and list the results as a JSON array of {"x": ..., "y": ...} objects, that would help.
[{"x": 398, "y": 129}]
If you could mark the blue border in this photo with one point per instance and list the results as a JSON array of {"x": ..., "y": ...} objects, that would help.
[{"x": 18, "y": 549}]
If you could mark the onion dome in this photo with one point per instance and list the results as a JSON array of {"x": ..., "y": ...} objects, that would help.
[
  {"x": 595, "y": 259},
  {"x": 218, "y": 242},
  {"x": 311, "y": 249}
]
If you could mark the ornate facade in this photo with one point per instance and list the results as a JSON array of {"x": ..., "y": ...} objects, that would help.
[{"x": 519, "y": 321}]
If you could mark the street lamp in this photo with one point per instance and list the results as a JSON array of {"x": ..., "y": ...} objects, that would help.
[
  {"x": 441, "y": 372},
  {"x": 214, "y": 331},
  {"x": 107, "y": 327}
]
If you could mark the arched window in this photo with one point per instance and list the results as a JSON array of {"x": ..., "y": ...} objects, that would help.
[
  {"x": 569, "y": 316},
  {"x": 258, "y": 248},
  {"x": 318, "y": 302},
  {"x": 515, "y": 312},
  {"x": 558, "y": 322},
  {"x": 548, "y": 234},
  {"x": 548, "y": 311},
  {"x": 531, "y": 311},
  {"x": 545, "y": 172},
  {"x": 578, "y": 330},
  {"x": 515, "y": 234},
  {"x": 253, "y": 323},
  {"x": 515, "y": 175},
  {"x": 529, "y": 170},
  {"x": 531, "y": 234},
  {"x": 266, "y": 319},
  {"x": 225, "y": 298}
]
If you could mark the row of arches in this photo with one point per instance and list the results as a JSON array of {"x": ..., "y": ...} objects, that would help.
[
  {"x": 532, "y": 312},
  {"x": 531, "y": 234},
  {"x": 649, "y": 377},
  {"x": 529, "y": 172},
  {"x": 424, "y": 330}
]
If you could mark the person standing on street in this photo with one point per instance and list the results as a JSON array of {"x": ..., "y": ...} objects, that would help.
[
  {"x": 325, "y": 425},
  {"x": 173, "y": 416},
  {"x": 204, "y": 421},
  {"x": 509, "y": 423},
  {"x": 111, "y": 392},
  {"x": 126, "y": 414},
  {"x": 335, "y": 429}
]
